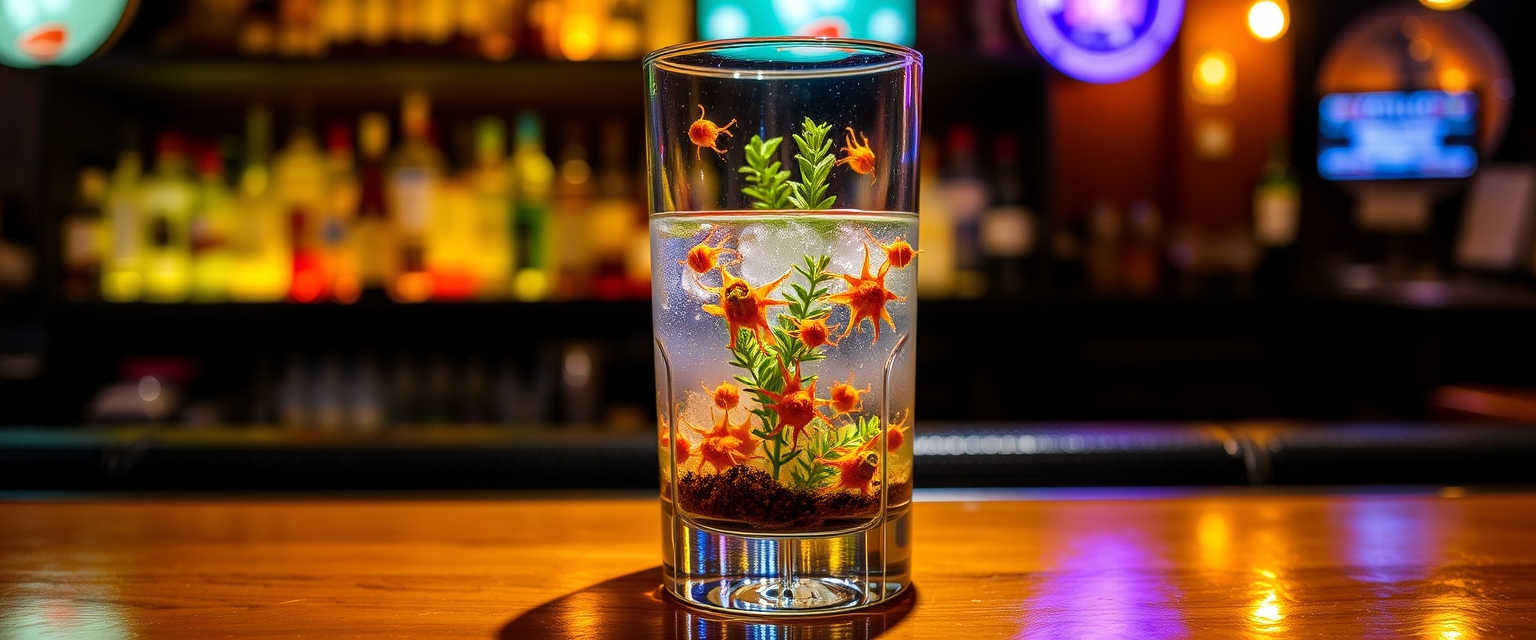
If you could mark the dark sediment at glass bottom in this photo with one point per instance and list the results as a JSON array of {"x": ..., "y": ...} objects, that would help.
[{"x": 751, "y": 495}]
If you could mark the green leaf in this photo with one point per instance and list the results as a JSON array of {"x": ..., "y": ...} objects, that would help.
[
  {"x": 815, "y": 162},
  {"x": 767, "y": 185}
]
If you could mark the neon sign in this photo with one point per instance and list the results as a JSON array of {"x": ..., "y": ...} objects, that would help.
[
  {"x": 1101, "y": 41},
  {"x": 35, "y": 33}
]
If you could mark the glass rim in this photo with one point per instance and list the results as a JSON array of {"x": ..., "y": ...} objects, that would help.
[{"x": 661, "y": 58}]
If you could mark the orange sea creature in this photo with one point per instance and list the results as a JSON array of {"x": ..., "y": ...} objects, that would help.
[
  {"x": 898, "y": 254},
  {"x": 845, "y": 397},
  {"x": 745, "y": 307},
  {"x": 857, "y": 469},
  {"x": 703, "y": 133},
  {"x": 738, "y": 435},
  {"x": 683, "y": 451},
  {"x": 860, "y": 158},
  {"x": 726, "y": 396},
  {"x": 866, "y": 297},
  {"x": 896, "y": 434},
  {"x": 702, "y": 257},
  {"x": 795, "y": 406},
  {"x": 813, "y": 332}
]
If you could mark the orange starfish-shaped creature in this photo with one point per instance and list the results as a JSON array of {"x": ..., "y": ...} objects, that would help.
[
  {"x": 857, "y": 469},
  {"x": 703, "y": 133},
  {"x": 813, "y": 332},
  {"x": 845, "y": 397},
  {"x": 796, "y": 406},
  {"x": 702, "y": 257},
  {"x": 726, "y": 396},
  {"x": 897, "y": 434},
  {"x": 726, "y": 445},
  {"x": 898, "y": 254},
  {"x": 866, "y": 297},
  {"x": 859, "y": 157},
  {"x": 745, "y": 307}
]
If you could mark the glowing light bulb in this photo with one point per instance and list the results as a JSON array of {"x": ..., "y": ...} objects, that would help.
[
  {"x": 1445, "y": 5},
  {"x": 1267, "y": 20}
]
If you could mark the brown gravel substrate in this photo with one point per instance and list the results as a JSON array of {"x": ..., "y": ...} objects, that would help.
[{"x": 750, "y": 495}]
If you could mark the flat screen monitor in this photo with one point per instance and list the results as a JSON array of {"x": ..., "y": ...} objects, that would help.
[
  {"x": 1397, "y": 135},
  {"x": 891, "y": 21}
]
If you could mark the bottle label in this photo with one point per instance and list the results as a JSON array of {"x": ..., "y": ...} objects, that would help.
[
  {"x": 413, "y": 199},
  {"x": 125, "y": 234}
]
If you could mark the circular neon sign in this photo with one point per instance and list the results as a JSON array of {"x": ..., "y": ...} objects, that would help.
[{"x": 1101, "y": 41}]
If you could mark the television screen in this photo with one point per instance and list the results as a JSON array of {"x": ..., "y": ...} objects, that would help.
[
  {"x": 886, "y": 20},
  {"x": 1397, "y": 135}
]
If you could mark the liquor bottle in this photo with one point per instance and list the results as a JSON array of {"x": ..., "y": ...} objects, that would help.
[
  {"x": 612, "y": 227},
  {"x": 82, "y": 237},
  {"x": 1276, "y": 216},
  {"x": 213, "y": 226},
  {"x": 372, "y": 241},
  {"x": 935, "y": 228},
  {"x": 1007, "y": 230},
  {"x": 263, "y": 261},
  {"x": 414, "y": 178},
  {"x": 453, "y": 240},
  {"x": 375, "y": 22},
  {"x": 491, "y": 181},
  {"x": 966, "y": 191},
  {"x": 573, "y": 199},
  {"x": 167, "y": 200},
  {"x": 336, "y": 247},
  {"x": 533, "y": 182},
  {"x": 300, "y": 177}
]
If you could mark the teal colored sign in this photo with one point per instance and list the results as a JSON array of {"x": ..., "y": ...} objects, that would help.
[
  {"x": 34, "y": 33},
  {"x": 891, "y": 21}
]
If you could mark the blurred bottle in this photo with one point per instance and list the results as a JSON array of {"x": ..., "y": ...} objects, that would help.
[
  {"x": 965, "y": 189},
  {"x": 83, "y": 236},
  {"x": 491, "y": 180},
  {"x": 1276, "y": 217},
  {"x": 371, "y": 240},
  {"x": 338, "y": 250},
  {"x": 414, "y": 182},
  {"x": 300, "y": 33},
  {"x": 621, "y": 32},
  {"x": 534, "y": 177},
  {"x": 167, "y": 199},
  {"x": 375, "y": 22},
  {"x": 611, "y": 228},
  {"x": 1102, "y": 257},
  {"x": 263, "y": 261},
  {"x": 496, "y": 39},
  {"x": 408, "y": 20},
  {"x": 366, "y": 410},
  {"x": 341, "y": 21},
  {"x": 213, "y": 226},
  {"x": 935, "y": 228},
  {"x": 573, "y": 199},
  {"x": 438, "y": 21},
  {"x": 300, "y": 172},
  {"x": 667, "y": 22},
  {"x": 1007, "y": 230},
  {"x": 453, "y": 241},
  {"x": 1141, "y": 256}
]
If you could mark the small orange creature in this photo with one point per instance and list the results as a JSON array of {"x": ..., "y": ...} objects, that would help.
[
  {"x": 745, "y": 307},
  {"x": 702, "y": 257},
  {"x": 898, "y": 254},
  {"x": 741, "y": 446},
  {"x": 796, "y": 406},
  {"x": 896, "y": 434},
  {"x": 866, "y": 297},
  {"x": 859, "y": 157},
  {"x": 703, "y": 133},
  {"x": 683, "y": 451},
  {"x": 813, "y": 332},
  {"x": 857, "y": 469},
  {"x": 726, "y": 396},
  {"x": 845, "y": 397}
]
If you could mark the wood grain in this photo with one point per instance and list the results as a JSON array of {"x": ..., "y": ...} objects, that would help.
[{"x": 1447, "y": 567}]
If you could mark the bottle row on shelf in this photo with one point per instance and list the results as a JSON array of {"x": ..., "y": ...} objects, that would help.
[
  {"x": 489, "y": 29},
  {"x": 338, "y": 222}
]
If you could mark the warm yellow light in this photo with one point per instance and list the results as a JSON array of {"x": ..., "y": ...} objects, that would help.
[
  {"x": 578, "y": 36},
  {"x": 1267, "y": 20},
  {"x": 1454, "y": 79},
  {"x": 1445, "y": 5},
  {"x": 1215, "y": 74}
]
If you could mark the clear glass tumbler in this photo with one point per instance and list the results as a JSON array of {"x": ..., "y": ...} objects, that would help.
[{"x": 783, "y": 183}]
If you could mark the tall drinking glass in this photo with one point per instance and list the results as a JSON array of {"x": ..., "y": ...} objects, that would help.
[{"x": 783, "y": 185}]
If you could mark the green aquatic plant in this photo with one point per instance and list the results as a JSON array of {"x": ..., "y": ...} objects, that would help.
[
  {"x": 767, "y": 182},
  {"x": 815, "y": 160}
]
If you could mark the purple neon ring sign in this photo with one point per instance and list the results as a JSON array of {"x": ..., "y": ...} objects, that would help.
[{"x": 1101, "y": 41}]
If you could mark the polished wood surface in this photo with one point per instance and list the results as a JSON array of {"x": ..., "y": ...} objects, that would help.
[{"x": 1445, "y": 566}]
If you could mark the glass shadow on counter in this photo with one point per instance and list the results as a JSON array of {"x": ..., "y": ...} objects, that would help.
[{"x": 634, "y": 606}]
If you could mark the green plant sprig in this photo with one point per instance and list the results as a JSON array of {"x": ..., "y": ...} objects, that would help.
[
  {"x": 812, "y": 473},
  {"x": 762, "y": 372},
  {"x": 804, "y": 304},
  {"x": 815, "y": 161},
  {"x": 768, "y": 183}
]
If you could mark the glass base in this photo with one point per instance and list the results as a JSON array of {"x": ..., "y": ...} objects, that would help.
[{"x": 787, "y": 575}]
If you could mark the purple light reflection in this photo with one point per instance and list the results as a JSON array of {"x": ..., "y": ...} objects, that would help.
[{"x": 1108, "y": 584}]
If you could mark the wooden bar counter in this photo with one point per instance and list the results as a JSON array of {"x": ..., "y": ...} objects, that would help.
[{"x": 1447, "y": 566}]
